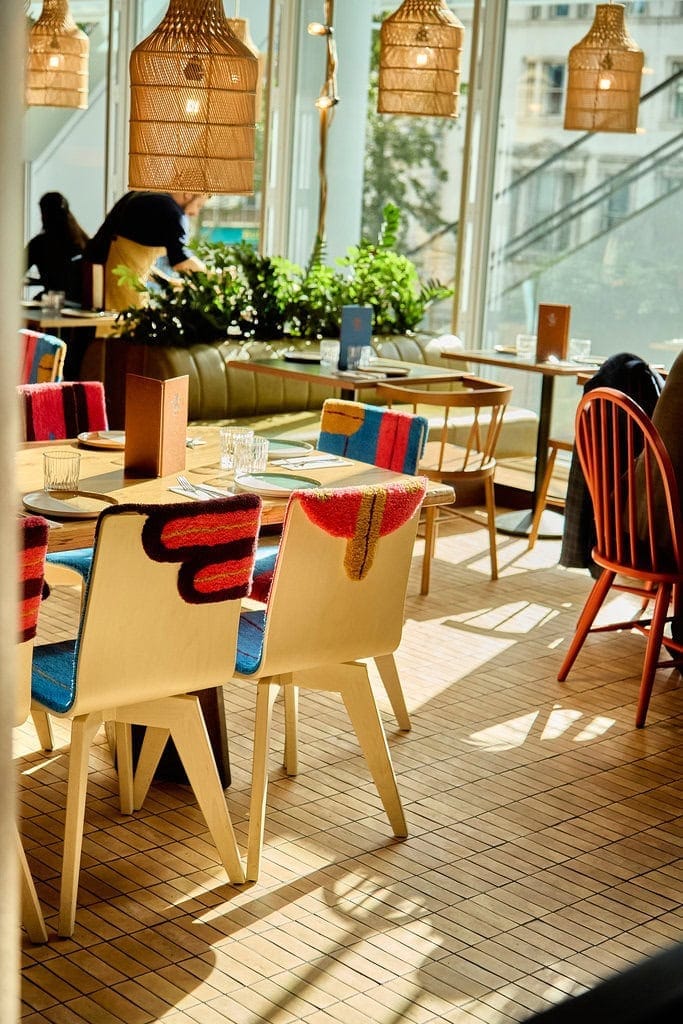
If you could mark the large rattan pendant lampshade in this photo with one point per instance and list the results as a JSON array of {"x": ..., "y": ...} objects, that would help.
[
  {"x": 605, "y": 68},
  {"x": 193, "y": 90},
  {"x": 419, "y": 62},
  {"x": 57, "y": 61}
]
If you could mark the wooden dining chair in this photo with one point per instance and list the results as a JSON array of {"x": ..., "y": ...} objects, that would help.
[
  {"x": 159, "y": 620},
  {"x": 316, "y": 634},
  {"x": 637, "y": 515},
  {"x": 470, "y": 462},
  {"x": 41, "y": 357},
  {"x": 32, "y": 550}
]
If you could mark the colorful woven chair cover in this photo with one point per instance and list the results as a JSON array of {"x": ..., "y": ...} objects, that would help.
[
  {"x": 32, "y": 548},
  {"x": 55, "y": 411},
  {"x": 42, "y": 357},
  {"x": 159, "y": 622},
  {"x": 383, "y": 437}
]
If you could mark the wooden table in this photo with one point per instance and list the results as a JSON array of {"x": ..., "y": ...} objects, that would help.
[
  {"x": 351, "y": 382},
  {"x": 102, "y": 473},
  {"x": 519, "y": 523},
  {"x": 36, "y": 320}
]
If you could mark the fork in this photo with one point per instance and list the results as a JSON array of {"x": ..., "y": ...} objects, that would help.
[{"x": 198, "y": 491}]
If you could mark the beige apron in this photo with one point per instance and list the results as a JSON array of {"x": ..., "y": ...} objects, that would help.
[{"x": 138, "y": 258}]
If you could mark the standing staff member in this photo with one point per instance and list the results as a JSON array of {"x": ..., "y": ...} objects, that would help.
[{"x": 139, "y": 229}]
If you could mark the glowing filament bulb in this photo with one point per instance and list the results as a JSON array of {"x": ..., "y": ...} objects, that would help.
[
  {"x": 605, "y": 81},
  {"x": 192, "y": 106}
]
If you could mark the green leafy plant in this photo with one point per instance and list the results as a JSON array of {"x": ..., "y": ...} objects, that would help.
[{"x": 247, "y": 296}]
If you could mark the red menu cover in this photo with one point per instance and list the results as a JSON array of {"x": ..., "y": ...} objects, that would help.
[
  {"x": 552, "y": 332},
  {"x": 156, "y": 425}
]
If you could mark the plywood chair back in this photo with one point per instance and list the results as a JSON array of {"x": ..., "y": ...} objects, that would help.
[
  {"x": 337, "y": 596},
  {"x": 382, "y": 437},
  {"x": 329, "y": 615},
  {"x": 32, "y": 550},
  {"x": 473, "y": 462},
  {"x": 159, "y": 622},
  {"x": 55, "y": 411},
  {"x": 41, "y": 358},
  {"x": 637, "y": 513}
]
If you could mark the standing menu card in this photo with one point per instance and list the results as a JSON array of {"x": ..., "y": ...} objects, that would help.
[
  {"x": 552, "y": 332},
  {"x": 356, "y": 329},
  {"x": 156, "y": 425}
]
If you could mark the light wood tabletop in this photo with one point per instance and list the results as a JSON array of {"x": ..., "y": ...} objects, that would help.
[{"x": 102, "y": 472}]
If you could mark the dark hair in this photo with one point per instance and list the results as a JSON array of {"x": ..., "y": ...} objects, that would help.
[{"x": 59, "y": 221}]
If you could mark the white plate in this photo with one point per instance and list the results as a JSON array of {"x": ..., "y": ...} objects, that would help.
[
  {"x": 103, "y": 438},
  {"x": 65, "y": 311},
  {"x": 71, "y": 505},
  {"x": 281, "y": 448},
  {"x": 274, "y": 485}
]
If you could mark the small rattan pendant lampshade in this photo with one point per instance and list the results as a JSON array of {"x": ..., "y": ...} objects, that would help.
[
  {"x": 605, "y": 68},
  {"x": 419, "y": 62},
  {"x": 240, "y": 26},
  {"x": 193, "y": 90},
  {"x": 57, "y": 61}
]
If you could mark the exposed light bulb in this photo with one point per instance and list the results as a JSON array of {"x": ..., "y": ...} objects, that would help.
[
  {"x": 325, "y": 102},
  {"x": 316, "y": 28}
]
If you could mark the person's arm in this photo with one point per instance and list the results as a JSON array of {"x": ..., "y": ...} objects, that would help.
[{"x": 189, "y": 264}]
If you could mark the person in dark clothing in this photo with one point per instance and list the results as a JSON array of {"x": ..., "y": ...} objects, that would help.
[
  {"x": 139, "y": 229},
  {"x": 57, "y": 251}
]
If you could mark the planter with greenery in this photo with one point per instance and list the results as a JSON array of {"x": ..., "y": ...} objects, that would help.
[{"x": 245, "y": 297}]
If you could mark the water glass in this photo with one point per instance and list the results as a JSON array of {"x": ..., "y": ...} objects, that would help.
[
  {"x": 329, "y": 354},
  {"x": 250, "y": 455},
  {"x": 61, "y": 470},
  {"x": 367, "y": 357},
  {"x": 525, "y": 345},
  {"x": 579, "y": 349},
  {"x": 52, "y": 302},
  {"x": 228, "y": 437},
  {"x": 353, "y": 354}
]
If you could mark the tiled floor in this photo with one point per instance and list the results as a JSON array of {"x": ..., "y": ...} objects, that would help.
[{"x": 545, "y": 848}]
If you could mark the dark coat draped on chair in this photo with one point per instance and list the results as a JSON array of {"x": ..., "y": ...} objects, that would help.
[{"x": 633, "y": 376}]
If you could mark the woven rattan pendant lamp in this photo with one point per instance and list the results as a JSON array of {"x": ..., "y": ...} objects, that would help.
[
  {"x": 605, "y": 68},
  {"x": 193, "y": 112},
  {"x": 419, "y": 61},
  {"x": 57, "y": 61},
  {"x": 240, "y": 26}
]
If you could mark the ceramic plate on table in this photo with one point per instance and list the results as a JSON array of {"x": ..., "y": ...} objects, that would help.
[
  {"x": 65, "y": 311},
  {"x": 68, "y": 504},
  {"x": 103, "y": 439},
  {"x": 301, "y": 357},
  {"x": 280, "y": 448},
  {"x": 274, "y": 485}
]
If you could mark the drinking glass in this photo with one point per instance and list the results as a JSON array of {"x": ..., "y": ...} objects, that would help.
[
  {"x": 525, "y": 345},
  {"x": 329, "y": 354},
  {"x": 52, "y": 302},
  {"x": 353, "y": 354},
  {"x": 228, "y": 438},
  {"x": 61, "y": 470},
  {"x": 250, "y": 455},
  {"x": 579, "y": 349}
]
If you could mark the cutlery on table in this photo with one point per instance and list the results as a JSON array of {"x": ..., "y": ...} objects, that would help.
[{"x": 200, "y": 490}]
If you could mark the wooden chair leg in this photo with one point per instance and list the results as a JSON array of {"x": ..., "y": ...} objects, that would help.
[
  {"x": 124, "y": 766},
  {"x": 431, "y": 529},
  {"x": 491, "y": 520},
  {"x": 83, "y": 731},
  {"x": 266, "y": 693},
  {"x": 352, "y": 681},
  {"x": 386, "y": 666},
  {"x": 586, "y": 619},
  {"x": 150, "y": 754},
  {"x": 31, "y": 914},
  {"x": 654, "y": 643},
  {"x": 291, "y": 758},
  {"x": 542, "y": 496},
  {"x": 43, "y": 727}
]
